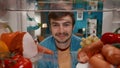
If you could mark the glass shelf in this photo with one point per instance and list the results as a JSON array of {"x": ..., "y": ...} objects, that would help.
[
  {"x": 55, "y": 1},
  {"x": 30, "y": 10}
]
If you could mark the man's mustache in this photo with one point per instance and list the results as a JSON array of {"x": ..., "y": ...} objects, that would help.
[{"x": 65, "y": 34}]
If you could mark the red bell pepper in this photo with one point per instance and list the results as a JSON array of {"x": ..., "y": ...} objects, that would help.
[{"x": 111, "y": 38}]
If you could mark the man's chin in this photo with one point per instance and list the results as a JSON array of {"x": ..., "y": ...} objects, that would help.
[{"x": 61, "y": 42}]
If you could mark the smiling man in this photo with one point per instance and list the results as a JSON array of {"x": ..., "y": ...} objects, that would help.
[{"x": 64, "y": 44}]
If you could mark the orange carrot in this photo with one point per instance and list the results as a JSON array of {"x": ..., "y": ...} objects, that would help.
[{"x": 43, "y": 49}]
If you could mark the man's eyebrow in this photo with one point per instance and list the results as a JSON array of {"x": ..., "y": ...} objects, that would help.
[
  {"x": 67, "y": 22},
  {"x": 53, "y": 22}
]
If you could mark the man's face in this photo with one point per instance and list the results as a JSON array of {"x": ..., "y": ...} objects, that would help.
[{"x": 62, "y": 29}]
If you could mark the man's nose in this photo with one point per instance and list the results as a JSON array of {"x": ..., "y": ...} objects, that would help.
[{"x": 61, "y": 29}]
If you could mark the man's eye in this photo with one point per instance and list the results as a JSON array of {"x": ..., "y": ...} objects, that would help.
[
  {"x": 66, "y": 24},
  {"x": 54, "y": 25}
]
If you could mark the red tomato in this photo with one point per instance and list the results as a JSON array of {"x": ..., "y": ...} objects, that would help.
[
  {"x": 18, "y": 61},
  {"x": 118, "y": 38},
  {"x": 108, "y": 38}
]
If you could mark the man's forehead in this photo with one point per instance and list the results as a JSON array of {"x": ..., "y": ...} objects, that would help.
[{"x": 62, "y": 18}]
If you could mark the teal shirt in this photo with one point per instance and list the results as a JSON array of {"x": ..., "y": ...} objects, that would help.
[{"x": 50, "y": 61}]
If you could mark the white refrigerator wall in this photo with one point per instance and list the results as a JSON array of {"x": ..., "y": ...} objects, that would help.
[{"x": 109, "y": 25}]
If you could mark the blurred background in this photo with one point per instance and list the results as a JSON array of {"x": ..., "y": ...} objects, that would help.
[{"x": 92, "y": 16}]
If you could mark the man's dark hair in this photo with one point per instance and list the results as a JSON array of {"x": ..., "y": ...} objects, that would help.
[{"x": 57, "y": 15}]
